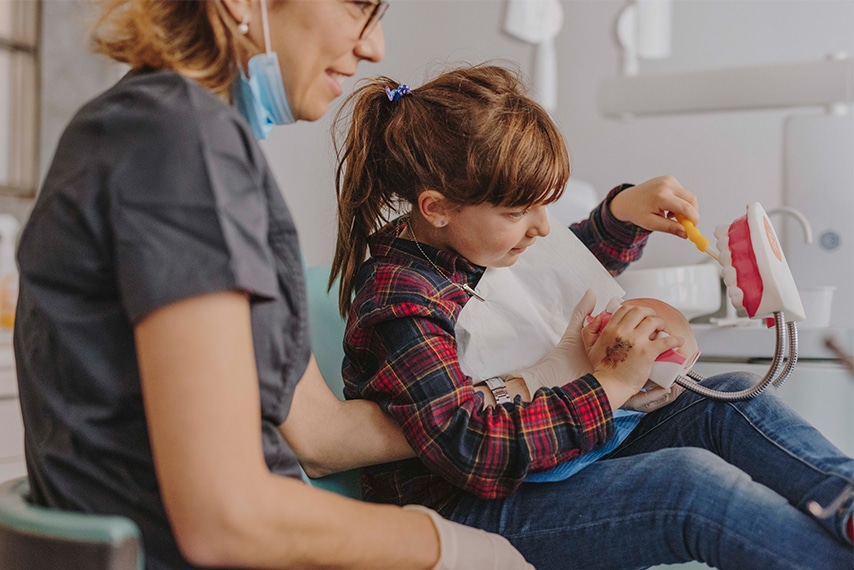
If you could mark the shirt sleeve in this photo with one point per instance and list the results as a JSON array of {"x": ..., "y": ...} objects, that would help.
[
  {"x": 407, "y": 355},
  {"x": 188, "y": 210},
  {"x": 614, "y": 243}
]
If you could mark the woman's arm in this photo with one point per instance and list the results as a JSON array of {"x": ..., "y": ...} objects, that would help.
[
  {"x": 201, "y": 399},
  {"x": 331, "y": 435}
]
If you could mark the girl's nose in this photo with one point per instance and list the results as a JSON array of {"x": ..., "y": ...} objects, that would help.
[
  {"x": 372, "y": 46},
  {"x": 539, "y": 221}
]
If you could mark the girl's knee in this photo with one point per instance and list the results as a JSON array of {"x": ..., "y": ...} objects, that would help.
[
  {"x": 732, "y": 381},
  {"x": 705, "y": 483},
  {"x": 701, "y": 468}
]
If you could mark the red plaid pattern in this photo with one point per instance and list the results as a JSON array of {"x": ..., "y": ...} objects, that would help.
[{"x": 401, "y": 352}]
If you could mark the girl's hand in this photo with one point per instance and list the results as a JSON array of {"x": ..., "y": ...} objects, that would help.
[
  {"x": 654, "y": 398},
  {"x": 653, "y": 205},
  {"x": 622, "y": 351}
]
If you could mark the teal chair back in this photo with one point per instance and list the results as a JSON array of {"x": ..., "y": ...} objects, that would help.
[
  {"x": 327, "y": 336},
  {"x": 38, "y": 538}
]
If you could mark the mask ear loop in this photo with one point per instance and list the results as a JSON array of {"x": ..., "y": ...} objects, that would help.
[{"x": 266, "y": 26}]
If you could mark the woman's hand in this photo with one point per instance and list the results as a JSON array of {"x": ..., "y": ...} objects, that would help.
[
  {"x": 622, "y": 351},
  {"x": 653, "y": 205},
  {"x": 331, "y": 435}
]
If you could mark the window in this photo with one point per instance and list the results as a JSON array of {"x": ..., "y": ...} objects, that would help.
[{"x": 19, "y": 96}]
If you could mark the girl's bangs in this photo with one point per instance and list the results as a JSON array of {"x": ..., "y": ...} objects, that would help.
[{"x": 536, "y": 172}]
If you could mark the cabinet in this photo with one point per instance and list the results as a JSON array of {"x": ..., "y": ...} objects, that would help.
[{"x": 11, "y": 426}]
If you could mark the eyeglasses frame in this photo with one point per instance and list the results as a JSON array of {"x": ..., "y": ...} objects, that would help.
[{"x": 380, "y": 8}]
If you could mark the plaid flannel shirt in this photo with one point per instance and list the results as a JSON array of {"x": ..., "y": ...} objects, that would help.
[{"x": 401, "y": 352}]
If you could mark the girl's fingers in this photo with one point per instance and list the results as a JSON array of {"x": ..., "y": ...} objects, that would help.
[
  {"x": 663, "y": 344},
  {"x": 629, "y": 317},
  {"x": 666, "y": 225}
]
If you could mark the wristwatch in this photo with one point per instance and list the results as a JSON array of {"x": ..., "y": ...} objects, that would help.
[{"x": 498, "y": 388}]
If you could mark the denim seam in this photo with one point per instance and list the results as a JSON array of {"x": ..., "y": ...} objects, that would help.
[{"x": 700, "y": 518}]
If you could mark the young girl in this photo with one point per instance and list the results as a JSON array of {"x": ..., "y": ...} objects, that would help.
[{"x": 472, "y": 163}]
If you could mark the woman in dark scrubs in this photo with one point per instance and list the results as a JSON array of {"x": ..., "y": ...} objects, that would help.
[{"x": 161, "y": 338}]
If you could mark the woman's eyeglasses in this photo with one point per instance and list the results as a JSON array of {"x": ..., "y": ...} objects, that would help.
[{"x": 377, "y": 14}]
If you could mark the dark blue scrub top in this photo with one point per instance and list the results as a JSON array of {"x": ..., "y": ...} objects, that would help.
[{"x": 158, "y": 192}]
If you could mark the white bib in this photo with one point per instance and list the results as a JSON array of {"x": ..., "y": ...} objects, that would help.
[{"x": 528, "y": 305}]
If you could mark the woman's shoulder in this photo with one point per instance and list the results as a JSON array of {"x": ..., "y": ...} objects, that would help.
[{"x": 161, "y": 105}]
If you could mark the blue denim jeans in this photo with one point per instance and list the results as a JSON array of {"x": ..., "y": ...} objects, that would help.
[{"x": 723, "y": 483}]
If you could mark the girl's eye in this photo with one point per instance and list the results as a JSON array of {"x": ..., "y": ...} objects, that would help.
[{"x": 518, "y": 215}]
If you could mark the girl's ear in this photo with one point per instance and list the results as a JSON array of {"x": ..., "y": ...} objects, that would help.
[
  {"x": 237, "y": 8},
  {"x": 434, "y": 207}
]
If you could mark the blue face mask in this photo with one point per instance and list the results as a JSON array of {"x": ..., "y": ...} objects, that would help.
[{"x": 261, "y": 98}]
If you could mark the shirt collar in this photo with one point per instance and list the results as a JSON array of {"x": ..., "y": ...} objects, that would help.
[{"x": 386, "y": 243}]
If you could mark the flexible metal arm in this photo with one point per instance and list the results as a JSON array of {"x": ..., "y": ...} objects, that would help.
[
  {"x": 691, "y": 383},
  {"x": 792, "y": 329}
]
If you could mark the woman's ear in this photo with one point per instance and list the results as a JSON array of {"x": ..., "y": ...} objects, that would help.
[{"x": 434, "y": 207}]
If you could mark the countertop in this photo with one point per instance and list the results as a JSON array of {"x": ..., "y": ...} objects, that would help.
[{"x": 757, "y": 341}]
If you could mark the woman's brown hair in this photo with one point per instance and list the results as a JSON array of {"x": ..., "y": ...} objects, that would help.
[
  {"x": 196, "y": 38},
  {"x": 472, "y": 134}
]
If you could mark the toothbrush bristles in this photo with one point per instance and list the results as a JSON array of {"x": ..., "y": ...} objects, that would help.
[{"x": 713, "y": 253}]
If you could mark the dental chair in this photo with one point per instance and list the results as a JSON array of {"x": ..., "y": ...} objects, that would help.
[
  {"x": 327, "y": 334},
  {"x": 38, "y": 538}
]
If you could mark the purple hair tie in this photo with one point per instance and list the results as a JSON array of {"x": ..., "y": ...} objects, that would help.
[{"x": 398, "y": 92}]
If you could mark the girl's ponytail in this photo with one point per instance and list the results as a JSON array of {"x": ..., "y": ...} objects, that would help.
[
  {"x": 471, "y": 134},
  {"x": 364, "y": 198}
]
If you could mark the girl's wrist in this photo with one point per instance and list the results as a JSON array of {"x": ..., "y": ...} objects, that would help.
[
  {"x": 516, "y": 387},
  {"x": 616, "y": 390}
]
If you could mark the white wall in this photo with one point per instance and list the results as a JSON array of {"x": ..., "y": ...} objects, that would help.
[{"x": 726, "y": 159}]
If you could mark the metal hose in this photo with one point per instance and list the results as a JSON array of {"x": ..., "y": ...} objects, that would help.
[{"x": 691, "y": 383}]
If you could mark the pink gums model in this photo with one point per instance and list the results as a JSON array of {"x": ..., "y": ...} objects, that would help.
[{"x": 755, "y": 270}]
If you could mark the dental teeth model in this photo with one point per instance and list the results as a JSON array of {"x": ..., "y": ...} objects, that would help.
[
  {"x": 758, "y": 281},
  {"x": 755, "y": 271}
]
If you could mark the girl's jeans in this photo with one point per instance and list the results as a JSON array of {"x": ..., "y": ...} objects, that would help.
[{"x": 723, "y": 483}]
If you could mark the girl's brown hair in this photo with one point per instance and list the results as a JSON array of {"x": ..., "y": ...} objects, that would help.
[
  {"x": 196, "y": 38},
  {"x": 472, "y": 134}
]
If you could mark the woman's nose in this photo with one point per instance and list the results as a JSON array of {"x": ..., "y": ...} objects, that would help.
[{"x": 372, "y": 46}]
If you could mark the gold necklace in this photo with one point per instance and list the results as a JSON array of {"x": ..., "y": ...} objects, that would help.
[{"x": 464, "y": 287}]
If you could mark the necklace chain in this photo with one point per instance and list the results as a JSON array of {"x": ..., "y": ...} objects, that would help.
[{"x": 464, "y": 287}]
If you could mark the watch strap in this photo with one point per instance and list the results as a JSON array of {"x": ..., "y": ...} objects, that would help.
[{"x": 498, "y": 388}]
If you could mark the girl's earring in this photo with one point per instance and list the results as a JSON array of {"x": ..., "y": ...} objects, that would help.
[
  {"x": 442, "y": 223},
  {"x": 243, "y": 26}
]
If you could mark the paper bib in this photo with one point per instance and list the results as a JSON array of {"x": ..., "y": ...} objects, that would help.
[{"x": 528, "y": 305}]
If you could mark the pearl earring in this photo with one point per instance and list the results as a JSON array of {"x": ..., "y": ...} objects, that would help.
[
  {"x": 243, "y": 26},
  {"x": 442, "y": 223}
]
